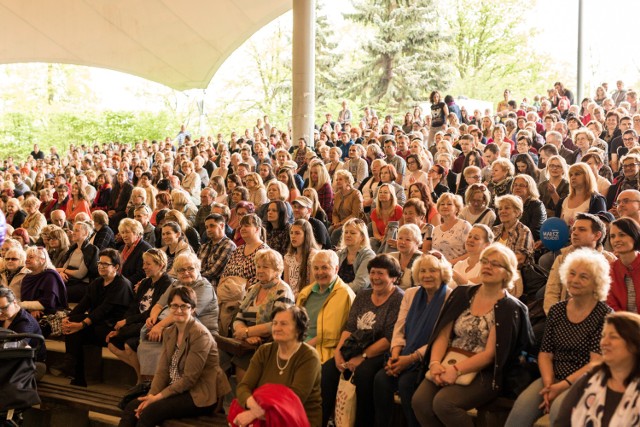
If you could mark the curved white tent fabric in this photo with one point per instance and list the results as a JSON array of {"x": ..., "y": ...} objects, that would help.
[{"x": 179, "y": 43}]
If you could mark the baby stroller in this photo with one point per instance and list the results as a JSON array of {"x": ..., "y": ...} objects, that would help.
[{"x": 17, "y": 375}]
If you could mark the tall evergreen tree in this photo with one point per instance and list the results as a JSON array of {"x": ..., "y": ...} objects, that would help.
[
  {"x": 407, "y": 57},
  {"x": 326, "y": 59}
]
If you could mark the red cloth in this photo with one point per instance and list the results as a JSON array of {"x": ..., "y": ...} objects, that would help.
[{"x": 282, "y": 407}]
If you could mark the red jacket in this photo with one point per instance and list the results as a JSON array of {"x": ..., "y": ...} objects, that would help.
[{"x": 617, "y": 298}]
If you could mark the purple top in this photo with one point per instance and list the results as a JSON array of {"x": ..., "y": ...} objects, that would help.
[{"x": 48, "y": 288}]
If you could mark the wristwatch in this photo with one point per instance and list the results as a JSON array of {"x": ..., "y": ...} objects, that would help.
[{"x": 364, "y": 356}]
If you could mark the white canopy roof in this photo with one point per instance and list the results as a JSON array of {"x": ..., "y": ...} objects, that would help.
[{"x": 179, "y": 43}]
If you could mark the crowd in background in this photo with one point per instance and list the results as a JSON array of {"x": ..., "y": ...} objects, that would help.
[{"x": 372, "y": 248}]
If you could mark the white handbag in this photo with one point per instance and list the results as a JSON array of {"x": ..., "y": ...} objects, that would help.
[{"x": 345, "y": 413}]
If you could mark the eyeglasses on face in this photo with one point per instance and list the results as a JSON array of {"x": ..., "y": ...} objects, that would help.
[
  {"x": 620, "y": 202},
  {"x": 179, "y": 307},
  {"x": 630, "y": 165},
  {"x": 493, "y": 264},
  {"x": 18, "y": 259},
  {"x": 104, "y": 264},
  {"x": 185, "y": 270}
]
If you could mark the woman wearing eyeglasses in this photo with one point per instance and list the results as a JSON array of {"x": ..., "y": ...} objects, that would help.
[
  {"x": 187, "y": 269},
  {"x": 476, "y": 209},
  {"x": 556, "y": 185},
  {"x": 490, "y": 324},
  {"x": 189, "y": 381},
  {"x": 89, "y": 323}
]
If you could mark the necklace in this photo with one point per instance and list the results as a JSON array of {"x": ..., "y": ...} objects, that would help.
[{"x": 282, "y": 368}]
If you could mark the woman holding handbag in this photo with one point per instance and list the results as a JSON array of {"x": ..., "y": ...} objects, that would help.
[
  {"x": 489, "y": 328},
  {"x": 365, "y": 340}
]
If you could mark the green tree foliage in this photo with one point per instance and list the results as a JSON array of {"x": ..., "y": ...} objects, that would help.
[
  {"x": 326, "y": 60},
  {"x": 406, "y": 57},
  {"x": 492, "y": 49}
]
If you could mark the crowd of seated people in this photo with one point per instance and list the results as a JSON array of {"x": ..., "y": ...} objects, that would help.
[{"x": 372, "y": 248}]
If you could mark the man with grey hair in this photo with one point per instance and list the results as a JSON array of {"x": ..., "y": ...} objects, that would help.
[
  {"x": 555, "y": 138},
  {"x": 328, "y": 298}
]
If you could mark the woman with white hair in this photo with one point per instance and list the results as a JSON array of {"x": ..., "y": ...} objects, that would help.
[
  {"x": 571, "y": 342},
  {"x": 14, "y": 269},
  {"x": 421, "y": 305},
  {"x": 408, "y": 244},
  {"x": 42, "y": 290},
  {"x": 448, "y": 237},
  {"x": 35, "y": 221}
]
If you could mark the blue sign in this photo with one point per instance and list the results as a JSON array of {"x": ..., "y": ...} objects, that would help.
[{"x": 554, "y": 234}]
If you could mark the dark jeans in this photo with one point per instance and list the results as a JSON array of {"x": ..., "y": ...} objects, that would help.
[
  {"x": 364, "y": 376},
  {"x": 384, "y": 389},
  {"x": 91, "y": 335},
  {"x": 172, "y": 407},
  {"x": 447, "y": 406}
]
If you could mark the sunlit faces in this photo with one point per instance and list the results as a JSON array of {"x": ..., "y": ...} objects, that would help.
[
  {"x": 577, "y": 178},
  {"x": 582, "y": 142},
  {"x": 128, "y": 236},
  {"x": 406, "y": 242},
  {"x": 628, "y": 203},
  {"x": 582, "y": 234},
  {"x": 273, "y": 192},
  {"x": 150, "y": 267},
  {"x": 476, "y": 241},
  {"x": 520, "y": 188},
  {"x": 352, "y": 236},
  {"x": 498, "y": 173},
  {"x": 265, "y": 273},
  {"x": 630, "y": 167},
  {"x": 323, "y": 272},
  {"x": 498, "y": 134},
  {"x": 296, "y": 235},
  {"x": 214, "y": 229},
  {"x": 447, "y": 208},
  {"x": 429, "y": 275},
  {"x": 507, "y": 213},
  {"x": 414, "y": 192},
  {"x": 380, "y": 278},
  {"x": 272, "y": 212},
  {"x": 170, "y": 237},
  {"x": 621, "y": 242},
  {"x": 313, "y": 174},
  {"x": 580, "y": 281},
  {"x": 615, "y": 350},
  {"x": 611, "y": 122},
  {"x": 283, "y": 327},
  {"x": 492, "y": 269},
  {"x": 384, "y": 194},
  {"x": 555, "y": 168},
  {"x": 236, "y": 196}
]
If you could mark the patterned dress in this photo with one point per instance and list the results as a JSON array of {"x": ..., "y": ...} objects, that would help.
[{"x": 243, "y": 265}]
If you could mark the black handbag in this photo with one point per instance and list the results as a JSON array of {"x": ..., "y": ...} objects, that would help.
[{"x": 356, "y": 343}]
